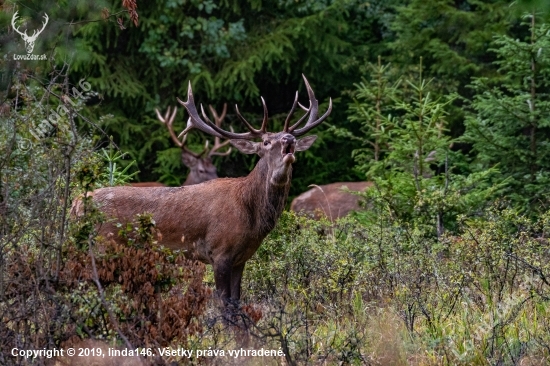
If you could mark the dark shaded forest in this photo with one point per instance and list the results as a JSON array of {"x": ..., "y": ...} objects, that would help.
[{"x": 442, "y": 106}]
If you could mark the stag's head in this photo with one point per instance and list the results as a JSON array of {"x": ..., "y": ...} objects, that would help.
[
  {"x": 277, "y": 149},
  {"x": 29, "y": 40}
]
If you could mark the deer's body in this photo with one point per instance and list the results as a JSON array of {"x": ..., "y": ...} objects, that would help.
[
  {"x": 203, "y": 214},
  {"x": 147, "y": 184},
  {"x": 221, "y": 222},
  {"x": 330, "y": 200}
]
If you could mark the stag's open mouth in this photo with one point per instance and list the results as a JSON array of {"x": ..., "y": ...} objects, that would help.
[
  {"x": 288, "y": 152},
  {"x": 289, "y": 148}
]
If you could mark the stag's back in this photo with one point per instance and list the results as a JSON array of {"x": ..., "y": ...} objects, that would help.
[{"x": 329, "y": 200}]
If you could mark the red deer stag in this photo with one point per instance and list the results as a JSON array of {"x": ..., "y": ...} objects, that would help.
[
  {"x": 330, "y": 200},
  {"x": 222, "y": 222},
  {"x": 200, "y": 164}
]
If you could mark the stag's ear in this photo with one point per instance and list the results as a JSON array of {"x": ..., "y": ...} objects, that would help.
[
  {"x": 305, "y": 143},
  {"x": 188, "y": 159},
  {"x": 245, "y": 146}
]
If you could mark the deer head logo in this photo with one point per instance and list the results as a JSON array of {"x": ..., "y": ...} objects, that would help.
[{"x": 29, "y": 40}]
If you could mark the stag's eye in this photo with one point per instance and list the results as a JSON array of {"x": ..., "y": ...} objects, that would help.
[{"x": 266, "y": 143}]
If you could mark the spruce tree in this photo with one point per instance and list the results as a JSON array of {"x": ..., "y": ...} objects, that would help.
[
  {"x": 510, "y": 126},
  {"x": 407, "y": 153}
]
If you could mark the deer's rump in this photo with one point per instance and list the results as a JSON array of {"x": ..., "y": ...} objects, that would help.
[{"x": 329, "y": 200}]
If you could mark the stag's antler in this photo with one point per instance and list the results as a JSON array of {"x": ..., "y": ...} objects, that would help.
[
  {"x": 168, "y": 121},
  {"x": 46, "y": 18},
  {"x": 195, "y": 121},
  {"x": 287, "y": 120},
  {"x": 312, "y": 111},
  {"x": 218, "y": 120}
]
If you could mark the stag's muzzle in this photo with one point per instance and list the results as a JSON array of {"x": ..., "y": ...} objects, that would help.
[{"x": 289, "y": 146}]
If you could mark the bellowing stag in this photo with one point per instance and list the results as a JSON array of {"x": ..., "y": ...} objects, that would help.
[
  {"x": 330, "y": 200},
  {"x": 200, "y": 164},
  {"x": 222, "y": 222}
]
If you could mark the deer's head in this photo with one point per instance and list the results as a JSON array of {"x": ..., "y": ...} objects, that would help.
[
  {"x": 275, "y": 148},
  {"x": 200, "y": 164},
  {"x": 29, "y": 40}
]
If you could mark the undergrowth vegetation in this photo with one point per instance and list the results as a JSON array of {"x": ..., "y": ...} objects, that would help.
[{"x": 388, "y": 293}]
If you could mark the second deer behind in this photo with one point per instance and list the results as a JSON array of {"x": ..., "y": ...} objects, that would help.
[{"x": 201, "y": 168}]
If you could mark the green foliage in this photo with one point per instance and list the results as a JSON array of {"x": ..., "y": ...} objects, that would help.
[
  {"x": 452, "y": 36},
  {"x": 390, "y": 291},
  {"x": 232, "y": 52},
  {"x": 114, "y": 175},
  {"x": 407, "y": 153},
  {"x": 371, "y": 102},
  {"x": 509, "y": 124}
]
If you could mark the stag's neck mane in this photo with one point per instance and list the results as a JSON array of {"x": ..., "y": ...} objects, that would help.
[{"x": 264, "y": 201}]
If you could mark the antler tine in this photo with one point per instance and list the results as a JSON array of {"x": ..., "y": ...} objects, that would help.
[
  {"x": 46, "y": 18},
  {"x": 264, "y": 122},
  {"x": 214, "y": 150},
  {"x": 205, "y": 149},
  {"x": 313, "y": 109},
  {"x": 287, "y": 120},
  {"x": 207, "y": 126},
  {"x": 194, "y": 120},
  {"x": 243, "y": 120},
  {"x": 218, "y": 119},
  {"x": 294, "y": 126},
  {"x": 253, "y": 131},
  {"x": 36, "y": 32},
  {"x": 168, "y": 121},
  {"x": 303, "y": 107}
]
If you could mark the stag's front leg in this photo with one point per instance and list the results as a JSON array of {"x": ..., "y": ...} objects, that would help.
[
  {"x": 236, "y": 277},
  {"x": 222, "y": 276}
]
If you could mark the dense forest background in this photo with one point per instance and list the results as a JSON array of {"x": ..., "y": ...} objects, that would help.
[
  {"x": 443, "y": 105},
  {"x": 235, "y": 52}
]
